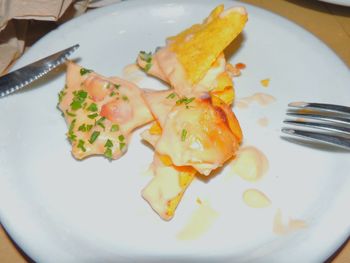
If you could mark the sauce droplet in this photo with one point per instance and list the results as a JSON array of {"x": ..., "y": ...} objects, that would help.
[
  {"x": 256, "y": 199},
  {"x": 263, "y": 122},
  {"x": 265, "y": 82},
  {"x": 250, "y": 164},
  {"x": 200, "y": 222},
  {"x": 280, "y": 228},
  {"x": 260, "y": 98}
]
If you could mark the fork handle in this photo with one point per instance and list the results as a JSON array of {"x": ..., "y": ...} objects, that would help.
[{"x": 321, "y": 106}]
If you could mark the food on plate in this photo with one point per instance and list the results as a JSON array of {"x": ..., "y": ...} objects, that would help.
[
  {"x": 167, "y": 186},
  {"x": 193, "y": 62},
  {"x": 193, "y": 128},
  {"x": 195, "y": 132},
  {"x": 101, "y": 112}
]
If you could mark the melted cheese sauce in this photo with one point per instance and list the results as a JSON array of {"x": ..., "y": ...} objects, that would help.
[
  {"x": 163, "y": 187},
  {"x": 101, "y": 112},
  {"x": 208, "y": 141},
  {"x": 250, "y": 164},
  {"x": 132, "y": 73},
  {"x": 200, "y": 222}
]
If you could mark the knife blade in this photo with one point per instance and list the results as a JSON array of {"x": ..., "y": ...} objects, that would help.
[{"x": 22, "y": 77}]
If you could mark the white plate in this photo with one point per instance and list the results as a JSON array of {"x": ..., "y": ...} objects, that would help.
[
  {"x": 338, "y": 2},
  {"x": 59, "y": 209}
]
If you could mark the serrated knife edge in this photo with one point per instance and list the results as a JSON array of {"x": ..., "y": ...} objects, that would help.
[{"x": 22, "y": 77}]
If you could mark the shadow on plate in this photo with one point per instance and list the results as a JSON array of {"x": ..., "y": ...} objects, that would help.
[
  {"x": 234, "y": 46},
  {"x": 314, "y": 145}
]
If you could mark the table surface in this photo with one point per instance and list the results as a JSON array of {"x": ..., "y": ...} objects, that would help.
[{"x": 331, "y": 23}]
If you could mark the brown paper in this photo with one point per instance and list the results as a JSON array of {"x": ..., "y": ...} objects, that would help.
[{"x": 22, "y": 22}]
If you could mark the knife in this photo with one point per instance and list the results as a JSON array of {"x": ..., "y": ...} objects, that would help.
[{"x": 20, "y": 78}]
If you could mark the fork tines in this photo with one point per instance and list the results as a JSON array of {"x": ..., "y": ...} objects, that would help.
[{"x": 333, "y": 120}]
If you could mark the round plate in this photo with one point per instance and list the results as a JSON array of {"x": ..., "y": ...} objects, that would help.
[{"x": 56, "y": 207}]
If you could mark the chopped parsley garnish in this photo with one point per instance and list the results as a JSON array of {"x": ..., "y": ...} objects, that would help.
[
  {"x": 147, "y": 57},
  {"x": 71, "y": 126},
  {"x": 183, "y": 134},
  {"x": 71, "y": 135},
  {"x": 121, "y": 138},
  {"x": 99, "y": 122},
  {"x": 184, "y": 100},
  {"x": 112, "y": 94},
  {"x": 81, "y": 145},
  {"x": 92, "y": 116},
  {"x": 109, "y": 143},
  {"x": 94, "y": 136},
  {"x": 82, "y": 128},
  {"x": 85, "y": 127},
  {"x": 148, "y": 67},
  {"x": 171, "y": 95},
  {"x": 117, "y": 86},
  {"x": 70, "y": 114},
  {"x": 108, "y": 153},
  {"x": 122, "y": 145},
  {"x": 114, "y": 128},
  {"x": 78, "y": 99},
  {"x": 125, "y": 98},
  {"x": 61, "y": 95},
  {"x": 92, "y": 107},
  {"x": 84, "y": 71}
]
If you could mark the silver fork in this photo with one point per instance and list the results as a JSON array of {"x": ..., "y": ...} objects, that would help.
[{"x": 334, "y": 120}]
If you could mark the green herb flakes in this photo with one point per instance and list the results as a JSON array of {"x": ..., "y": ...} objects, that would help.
[
  {"x": 171, "y": 95},
  {"x": 108, "y": 153},
  {"x": 99, "y": 122},
  {"x": 61, "y": 95},
  {"x": 78, "y": 99},
  {"x": 121, "y": 138},
  {"x": 147, "y": 57},
  {"x": 148, "y": 67},
  {"x": 122, "y": 145},
  {"x": 92, "y": 116},
  {"x": 70, "y": 114},
  {"x": 109, "y": 143},
  {"x": 184, "y": 100},
  {"x": 94, "y": 136},
  {"x": 114, "y": 128},
  {"x": 125, "y": 98},
  {"x": 71, "y": 135},
  {"x": 84, "y": 71},
  {"x": 183, "y": 134},
  {"x": 81, "y": 145},
  {"x": 92, "y": 107},
  {"x": 82, "y": 128}
]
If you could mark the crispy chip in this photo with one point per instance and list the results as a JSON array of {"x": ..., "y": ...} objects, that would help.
[{"x": 198, "y": 47}]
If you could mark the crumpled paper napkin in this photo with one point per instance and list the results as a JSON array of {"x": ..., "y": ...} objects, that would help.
[{"x": 22, "y": 22}]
